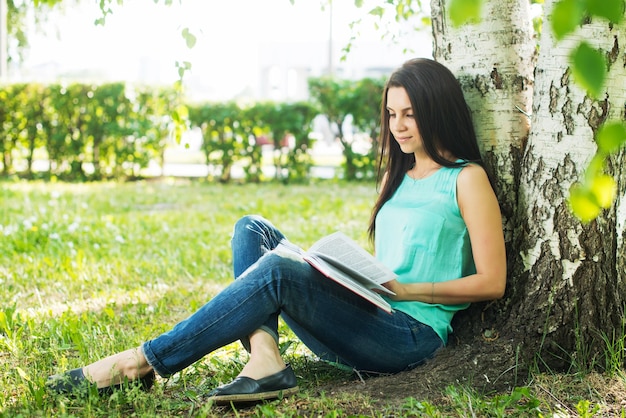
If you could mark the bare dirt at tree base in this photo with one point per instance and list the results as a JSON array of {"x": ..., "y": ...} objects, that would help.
[{"x": 485, "y": 368}]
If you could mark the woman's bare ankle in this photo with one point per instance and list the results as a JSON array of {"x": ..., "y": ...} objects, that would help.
[
  {"x": 112, "y": 370},
  {"x": 265, "y": 358},
  {"x": 258, "y": 368}
]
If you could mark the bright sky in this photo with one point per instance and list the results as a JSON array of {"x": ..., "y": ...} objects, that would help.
[{"x": 141, "y": 40}]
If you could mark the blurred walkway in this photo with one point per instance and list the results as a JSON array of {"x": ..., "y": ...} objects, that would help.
[{"x": 328, "y": 158}]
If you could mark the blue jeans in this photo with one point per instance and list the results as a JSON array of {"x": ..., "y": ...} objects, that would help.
[{"x": 331, "y": 321}]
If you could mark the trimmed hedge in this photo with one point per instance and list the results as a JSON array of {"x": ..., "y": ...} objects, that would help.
[{"x": 113, "y": 131}]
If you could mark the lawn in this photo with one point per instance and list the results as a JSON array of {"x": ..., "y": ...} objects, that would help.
[{"x": 91, "y": 269}]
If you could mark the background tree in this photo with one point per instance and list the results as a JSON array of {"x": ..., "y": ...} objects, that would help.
[
  {"x": 222, "y": 135},
  {"x": 343, "y": 101},
  {"x": 5, "y": 145},
  {"x": 366, "y": 119},
  {"x": 155, "y": 107},
  {"x": 255, "y": 128},
  {"x": 72, "y": 108},
  {"x": 107, "y": 127},
  {"x": 276, "y": 133},
  {"x": 297, "y": 120},
  {"x": 13, "y": 123},
  {"x": 334, "y": 98},
  {"x": 31, "y": 138},
  {"x": 59, "y": 126}
]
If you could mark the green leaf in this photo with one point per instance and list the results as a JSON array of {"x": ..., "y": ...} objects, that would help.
[
  {"x": 588, "y": 68},
  {"x": 182, "y": 67},
  {"x": 377, "y": 11},
  {"x": 611, "y": 137},
  {"x": 183, "y": 112},
  {"x": 604, "y": 189},
  {"x": 595, "y": 167},
  {"x": 465, "y": 11},
  {"x": 190, "y": 38},
  {"x": 566, "y": 16},
  {"x": 583, "y": 204},
  {"x": 612, "y": 10}
]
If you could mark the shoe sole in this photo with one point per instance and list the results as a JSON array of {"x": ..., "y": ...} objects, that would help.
[{"x": 253, "y": 397}]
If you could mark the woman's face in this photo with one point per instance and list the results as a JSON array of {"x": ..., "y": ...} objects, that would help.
[{"x": 402, "y": 122}]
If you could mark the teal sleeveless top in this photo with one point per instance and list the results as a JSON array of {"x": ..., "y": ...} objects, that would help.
[{"x": 422, "y": 237}]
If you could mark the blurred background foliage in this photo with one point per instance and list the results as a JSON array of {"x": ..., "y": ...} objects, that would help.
[{"x": 114, "y": 131}]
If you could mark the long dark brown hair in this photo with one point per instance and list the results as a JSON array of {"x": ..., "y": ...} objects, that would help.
[{"x": 443, "y": 120}]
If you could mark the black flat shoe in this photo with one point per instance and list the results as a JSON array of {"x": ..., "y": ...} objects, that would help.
[
  {"x": 75, "y": 382},
  {"x": 245, "y": 389}
]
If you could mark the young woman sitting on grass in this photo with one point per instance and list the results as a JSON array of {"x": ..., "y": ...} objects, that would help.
[{"x": 436, "y": 224}]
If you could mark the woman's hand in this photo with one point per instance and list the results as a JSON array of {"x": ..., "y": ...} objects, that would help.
[{"x": 397, "y": 288}]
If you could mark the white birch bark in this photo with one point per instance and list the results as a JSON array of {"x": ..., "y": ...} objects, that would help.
[
  {"x": 494, "y": 60},
  {"x": 569, "y": 269}
]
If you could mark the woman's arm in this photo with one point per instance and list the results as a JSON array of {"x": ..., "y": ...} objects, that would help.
[{"x": 481, "y": 212}]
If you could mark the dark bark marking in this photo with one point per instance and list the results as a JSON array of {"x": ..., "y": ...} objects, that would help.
[
  {"x": 563, "y": 218},
  {"x": 481, "y": 84},
  {"x": 596, "y": 117},
  {"x": 554, "y": 99},
  {"x": 613, "y": 54},
  {"x": 496, "y": 78},
  {"x": 565, "y": 78},
  {"x": 520, "y": 83},
  {"x": 568, "y": 121}
]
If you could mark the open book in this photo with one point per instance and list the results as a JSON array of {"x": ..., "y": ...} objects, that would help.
[{"x": 341, "y": 259}]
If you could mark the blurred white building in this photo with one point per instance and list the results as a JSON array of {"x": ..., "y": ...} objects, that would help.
[
  {"x": 284, "y": 67},
  {"x": 245, "y": 49}
]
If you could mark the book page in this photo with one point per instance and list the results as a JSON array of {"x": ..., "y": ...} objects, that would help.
[
  {"x": 360, "y": 286},
  {"x": 343, "y": 252},
  {"x": 338, "y": 272},
  {"x": 347, "y": 280}
]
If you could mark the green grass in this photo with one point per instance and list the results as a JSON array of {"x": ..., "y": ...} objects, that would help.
[{"x": 91, "y": 269}]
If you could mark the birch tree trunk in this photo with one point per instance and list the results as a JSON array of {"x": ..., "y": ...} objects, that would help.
[
  {"x": 569, "y": 281},
  {"x": 566, "y": 288},
  {"x": 494, "y": 61}
]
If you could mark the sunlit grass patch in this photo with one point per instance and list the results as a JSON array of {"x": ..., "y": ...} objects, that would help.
[{"x": 91, "y": 269}]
